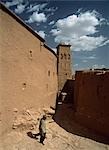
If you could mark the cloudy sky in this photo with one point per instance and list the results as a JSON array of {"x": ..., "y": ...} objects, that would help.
[{"x": 83, "y": 24}]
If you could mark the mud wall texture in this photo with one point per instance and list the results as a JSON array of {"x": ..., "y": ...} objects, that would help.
[
  {"x": 28, "y": 71},
  {"x": 92, "y": 99}
]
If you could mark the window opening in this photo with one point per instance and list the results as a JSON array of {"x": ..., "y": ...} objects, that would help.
[
  {"x": 49, "y": 73},
  {"x": 65, "y": 56},
  {"x": 30, "y": 54},
  {"x": 61, "y": 56},
  {"x": 68, "y": 56},
  {"x": 23, "y": 86}
]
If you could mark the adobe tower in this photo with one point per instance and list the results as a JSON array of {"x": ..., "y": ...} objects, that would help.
[{"x": 63, "y": 65}]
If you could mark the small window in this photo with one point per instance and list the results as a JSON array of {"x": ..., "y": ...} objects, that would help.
[
  {"x": 23, "y": 86},
  {"x": 30, "y": 54},
  {"x": 49, "y": 73},
  {"x": 65, "y": 56},
  {"x": 41, "y": 45},
  {"x": 61, "y": 56},
  {"x": 68, "y": 56}
]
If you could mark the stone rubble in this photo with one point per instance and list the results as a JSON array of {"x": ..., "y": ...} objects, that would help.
[
  {"x": 29, "y": 118},
  {"x": 57, "y": 139}
]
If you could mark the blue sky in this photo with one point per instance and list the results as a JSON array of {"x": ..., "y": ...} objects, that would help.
[{"x": 83, "y": 24}]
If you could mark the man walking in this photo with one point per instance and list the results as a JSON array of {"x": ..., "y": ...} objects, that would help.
[{"x": 42, "y": 129}]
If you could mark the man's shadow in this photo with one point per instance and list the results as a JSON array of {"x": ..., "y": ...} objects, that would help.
[{"x": 33, "y": 136}]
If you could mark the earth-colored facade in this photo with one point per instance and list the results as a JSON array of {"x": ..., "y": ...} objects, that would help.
[
  {"x": 91, "y": 96},
  {"x": 28, "y": 69},
  {"x": 63, "y": 65}
]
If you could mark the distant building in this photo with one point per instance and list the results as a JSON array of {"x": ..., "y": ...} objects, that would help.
[{"x": 63, "y": 65}]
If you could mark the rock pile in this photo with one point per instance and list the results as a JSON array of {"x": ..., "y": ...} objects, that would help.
[{"x": 28, "y": 119}]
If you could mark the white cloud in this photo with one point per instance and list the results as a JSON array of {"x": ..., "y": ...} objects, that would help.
[
  {"x": 52, "y": 22},
  {"x": 37, "y": 17},
  {"x": 13, "y": 3},
  {"x": 37, "y": 7},
  {"x": 75, "y": 65},
  {"x": 84, "y": 61},
  {"x": 41, "y": 33},
  {"x": 52, "y": 9},
  {"x": 20, "y": 8},
  {"x": 87, "y": 43},
  {"x": 91, "y": 57},
  {"x": 86, "y": 58},
  {"x": 96, "y": 66},
  {"x": 20, "y": 5},
  {"x": 54, "y": 49},
  {"x": 105, "y": 43},
  {"x": 79, "y": 30}
]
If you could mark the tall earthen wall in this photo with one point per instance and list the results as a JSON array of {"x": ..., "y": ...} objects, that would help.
[
  {"x": 92, "y": 99},
  {"x": 28, "y": 71}
]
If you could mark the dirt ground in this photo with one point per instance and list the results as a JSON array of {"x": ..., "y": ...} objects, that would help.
[
  {"x": 63, "y": 133},
  {"x": 57, "y": 139}
]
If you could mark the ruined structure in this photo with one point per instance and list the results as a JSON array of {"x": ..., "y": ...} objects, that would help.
[
  {"x": 91, "y": 96},
  {"x": 28, "y": 69}
]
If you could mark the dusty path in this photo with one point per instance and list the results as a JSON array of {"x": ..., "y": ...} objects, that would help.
[
  {"x": 57, "y": 139},
  {"x": 63, "y": 133}
]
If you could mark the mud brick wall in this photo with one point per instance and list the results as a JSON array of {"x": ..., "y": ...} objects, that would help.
[
  {"x": 28, "y": 70},
  {"x": 92, "y": 99}
]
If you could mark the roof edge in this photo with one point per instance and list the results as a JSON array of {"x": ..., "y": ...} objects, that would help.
[
  {"x": 65, "y": 45},
  {"x": 46, "y": 46}
]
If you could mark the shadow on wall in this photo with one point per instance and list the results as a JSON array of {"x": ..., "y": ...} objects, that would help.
[
  {"x": 65, "y": 116},
  {"x": 67, "y": 93}
]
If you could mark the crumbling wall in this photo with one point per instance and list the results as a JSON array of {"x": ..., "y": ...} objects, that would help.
[
  {"x": 92, "y": 99},
  {"x": 28, "y": 72}
]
